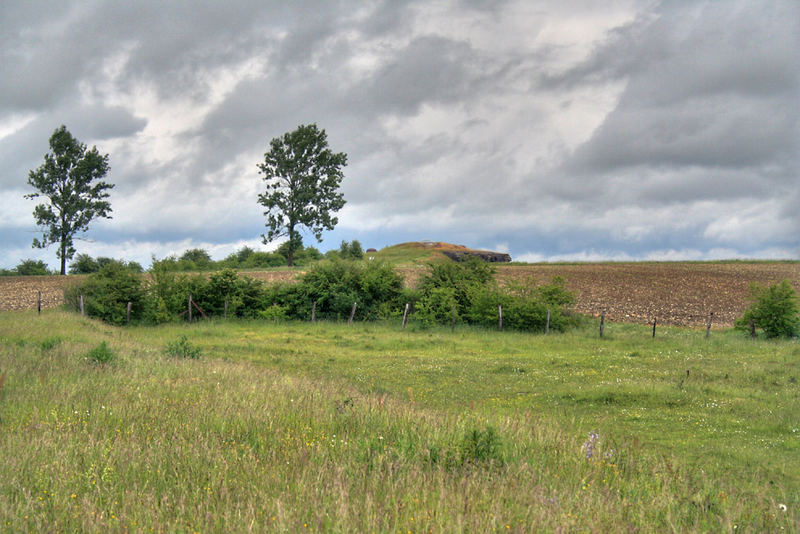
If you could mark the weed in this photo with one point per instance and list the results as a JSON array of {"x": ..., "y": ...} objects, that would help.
[
  {"x": 481, "y": 447},
  {"x": 182, "y": 348},
  {"x": 49, "y": 343},
  {"x": 101, "y": 354}
]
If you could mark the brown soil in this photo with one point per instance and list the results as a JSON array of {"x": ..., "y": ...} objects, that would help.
[{"x": 673, "y": 293}]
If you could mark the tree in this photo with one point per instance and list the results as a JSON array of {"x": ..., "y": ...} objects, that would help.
[
  {"x": 198, "y": 256},
  {"x": 303, "y": 177},
  {"x": 32, "y": 268},
  {"x": 774, "y": 309},
  {"x": 70, "y": 181},
  {"x": 351, "y": 250}
]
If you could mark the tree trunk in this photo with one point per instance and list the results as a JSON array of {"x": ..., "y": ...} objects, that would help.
[
  {"x": 292, "y": 243},
  {"x": 63, "y": 256}
]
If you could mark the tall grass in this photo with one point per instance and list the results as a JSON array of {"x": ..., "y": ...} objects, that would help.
[{"x": 293, "y": 427}]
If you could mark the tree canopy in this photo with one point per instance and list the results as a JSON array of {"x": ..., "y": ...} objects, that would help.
[
  {"x": 70, "y": 181},
  {"x": 303, "y": 176}
]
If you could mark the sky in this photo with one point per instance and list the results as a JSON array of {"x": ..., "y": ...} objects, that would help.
[{"x": 551, "y": 130}]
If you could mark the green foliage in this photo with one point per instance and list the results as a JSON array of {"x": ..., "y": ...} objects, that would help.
[
  {"x": 335, "y": 285},
  {"x": 49, "y": 343},
  {"x": 437, "y": 305},
  {"x": 182, "y": 348},
  {"x": 302, "y": 178},
  {"x": 101, "y": 354},
  {"x": 461, "y": 277},
  {"x": 31, "y": 268},
  {"x": 274, "y": 313},
  {"x": 69, "y": 181},
  {"x": 85, "y": 264},
  {"x": 774, "y": 310},
  {"x": 197, "y": 257},
  {"x": 470, "y": 288},
  {"x": 481, "y": 447},
  {"x": 107, "y": 292},
  {"x": 351, "y": 250}
]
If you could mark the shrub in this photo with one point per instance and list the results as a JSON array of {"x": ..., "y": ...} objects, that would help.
[
  {"x": 182, "y": 348},
  {"x": 351, "y": 250},
  {"x": 274, "y": 313},
  {"x": 481, "y": 447},
  {"x": 436, "y": 306},
  {"x": 107, "y": 293},
  {"x": 774, "y": 310},
  {"x": 32, "y": 268},
  {"x": 336, "y": 284},
  {"x": 471, "y": 288},
  {"x": 101, "y": 354},
  {"x": 197, "y": 257},
  {"x": 85, "y": 264}
]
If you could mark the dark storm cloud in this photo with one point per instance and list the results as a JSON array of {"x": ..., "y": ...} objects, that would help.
[
  {"x": 24, "y": 150},
  {"x": 547, "y": 128},
  {"x": 713, "y": 88}
]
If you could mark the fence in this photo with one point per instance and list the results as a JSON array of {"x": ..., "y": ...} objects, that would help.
[{"x": 192, "y": 307}]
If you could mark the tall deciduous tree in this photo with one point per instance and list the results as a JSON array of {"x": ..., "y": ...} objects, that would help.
[
  {"x": 70, "y": 182},
  {"x": 303, "y": 177}
]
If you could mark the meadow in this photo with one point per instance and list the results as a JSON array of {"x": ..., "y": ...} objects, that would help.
[{"x": 299, "y": 427}]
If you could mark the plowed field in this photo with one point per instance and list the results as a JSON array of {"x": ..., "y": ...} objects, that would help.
[{"x": 673, "y": 293}]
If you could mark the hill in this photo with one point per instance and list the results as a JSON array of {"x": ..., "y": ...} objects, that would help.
[{"x": 420, "y": 252}]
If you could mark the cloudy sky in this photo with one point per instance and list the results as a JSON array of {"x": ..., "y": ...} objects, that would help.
[{"x": 549, "y": 129}]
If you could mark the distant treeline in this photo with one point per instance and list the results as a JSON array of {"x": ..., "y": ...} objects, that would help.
[{"x": 197, "y": 259}]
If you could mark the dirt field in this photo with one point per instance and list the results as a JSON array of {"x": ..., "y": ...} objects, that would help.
[{"x": 674, "y": 293}]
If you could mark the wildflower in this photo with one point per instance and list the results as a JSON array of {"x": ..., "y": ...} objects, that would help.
[
  {"x": 589, "y": 445},
  {"x": 782, "y": 507}
]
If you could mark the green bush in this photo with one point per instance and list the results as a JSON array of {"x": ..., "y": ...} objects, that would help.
[
  {"x": 470, "y": 287},
  {"x": 481, "y": 447},
  {"x": 101, "y": 354},
  {"x": 182, "y": 348},
  {"x": 274, "y": 313},
  {"x": 31, "y": 268},
  {"x": 437, "y": 306},
  {"x": 774, "y": 310},
  {"x": 335, "y": 285},
  {"x": 351, "y": 250},
  {"x": 107, "y": 292},
  {"x": 461, "y": 277},
  {"x": 85, "y": 264}
]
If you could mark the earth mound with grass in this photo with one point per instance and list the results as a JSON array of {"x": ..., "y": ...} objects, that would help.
[{"x": 425, "y": 251}]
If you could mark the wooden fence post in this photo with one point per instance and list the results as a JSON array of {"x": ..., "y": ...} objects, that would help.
[
  {"x": 80, "y": 301},
  {"x": 500, "y": 317},
  {"x": 314, "y": 312},
  {"x": 654, "y": 327},
  {"x": 708, "y": 327},
  {"x": 453, "y": 318},
  {"x": 405, "y": 316},
  {"x": 128, "y": 312},
  {"x": 352, "y": 313},
  {"x": 39, "y": 303},
  {"x": 226, "y": 307},
  {"x": 602, "y": 322},
  {"x": 547, "y": 324},
  {"x": 752, "y": 328},
  {"x": 189, "y": 307}
]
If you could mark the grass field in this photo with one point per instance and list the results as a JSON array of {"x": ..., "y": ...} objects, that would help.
[{"x": 299, "y": 427}]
